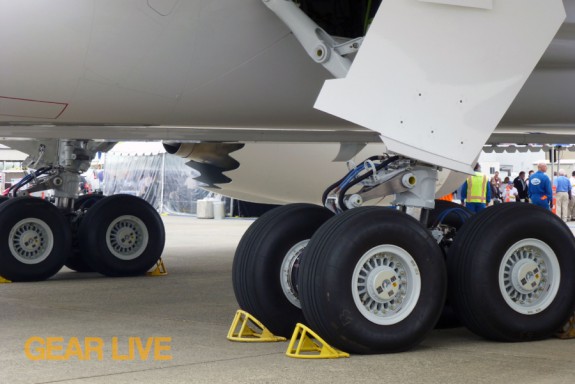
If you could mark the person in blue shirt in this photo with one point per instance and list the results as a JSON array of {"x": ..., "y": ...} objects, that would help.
[
  {"x": 540, "y": 191},
  {"x": 562, "y": 197}
]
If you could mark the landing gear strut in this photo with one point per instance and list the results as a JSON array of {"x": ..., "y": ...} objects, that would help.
[{"x": 117, "y": 236}]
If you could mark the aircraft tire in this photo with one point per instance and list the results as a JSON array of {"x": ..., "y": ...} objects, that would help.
[
  {"x": 347, "y": 263},
  {"x": 512, "y": 269},
  {"x": 265, "y": 264},
  {"x": 76, "y": 262},
  {"x": 456, "y": 220},
  {"x": 35, "y": 239},
  {"x": 121, "y": 235}
]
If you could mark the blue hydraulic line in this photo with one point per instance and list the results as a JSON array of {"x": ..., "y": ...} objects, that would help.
[
  {"x": 462, "y": 214},
  {"x": 371, "y": 172},
  {"x": 352, "y": 175},
  {"x": 26, "y": 179}
]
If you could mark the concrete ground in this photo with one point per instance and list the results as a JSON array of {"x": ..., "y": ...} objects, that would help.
[{"x": 194, "y": 306}]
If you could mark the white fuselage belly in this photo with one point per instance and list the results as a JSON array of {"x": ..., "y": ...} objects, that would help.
[
  {"x": 215, "y": 63},
  {"x": 195, "y": 63}
]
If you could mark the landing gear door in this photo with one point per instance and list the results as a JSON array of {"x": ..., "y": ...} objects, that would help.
[{"x": 436, "y": 77}]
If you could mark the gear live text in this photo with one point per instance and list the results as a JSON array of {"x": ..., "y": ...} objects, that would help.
[{"x": 97, "y": 348}]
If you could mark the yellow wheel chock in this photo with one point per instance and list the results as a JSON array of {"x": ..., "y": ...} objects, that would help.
[
  {"x": 242, "y": 329},
  {"x": 568, "y": 330},
  {"x": 3, "y": 280},
  {"x": 311, "y": 346},
  {"x": 160, "y": 269}
]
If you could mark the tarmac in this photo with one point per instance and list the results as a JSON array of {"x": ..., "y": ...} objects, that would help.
[{"x": 185, "y": 316}]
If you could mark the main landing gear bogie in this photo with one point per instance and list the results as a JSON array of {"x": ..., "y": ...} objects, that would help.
[{"x": 374, "y": 280}]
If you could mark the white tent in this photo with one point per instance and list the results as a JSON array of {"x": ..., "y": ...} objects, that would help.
[{"x": 144, "y": 169}]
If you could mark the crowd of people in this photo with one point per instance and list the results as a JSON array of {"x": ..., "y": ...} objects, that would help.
[{"x": 478, "y": 191}]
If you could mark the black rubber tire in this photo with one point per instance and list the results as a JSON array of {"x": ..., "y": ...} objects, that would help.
[
  {"x": 474, "y": 263},
  {"x": 326, "y": 272},
  {"x": 76, "y": 262},
  {"x": 258, "y": 260},
  {"x": 21, "y": 208},
  {"x": 93, "y": 229},
  {"x": 448, "y": 318},
  {"x": 3, "y": 199}
]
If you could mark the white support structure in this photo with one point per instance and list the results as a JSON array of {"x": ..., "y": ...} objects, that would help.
[
  {"x": 319, "y": 45},
  {"x": 434, "y": 78}
]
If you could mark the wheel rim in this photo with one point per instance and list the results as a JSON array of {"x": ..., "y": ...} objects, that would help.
[
  {"x": 386, "y": 284},
  {"x": 127, "y": 237},
  {"x": 31, "y": 241},
  {"x": 289, "y": 270},
  {"x": 529, "y": 276}
]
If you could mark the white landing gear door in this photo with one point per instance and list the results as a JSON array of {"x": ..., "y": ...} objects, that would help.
[{"x": 436, "y": 77}]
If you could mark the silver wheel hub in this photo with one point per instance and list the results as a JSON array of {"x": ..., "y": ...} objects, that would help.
[
  {"x": 31, "y": 241},
  {"x": 526, "y": 276},
  {"x": 127, "y": 237},
  {"x": 288, "y": 272},
  {"x": 529, "y": 276},
  {"x": 386, "y": 284}
]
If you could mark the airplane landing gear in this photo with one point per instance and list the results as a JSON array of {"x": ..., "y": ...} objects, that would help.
[
  {"x": 374, "y": 279},
  {"x": 117, "y": 236}
]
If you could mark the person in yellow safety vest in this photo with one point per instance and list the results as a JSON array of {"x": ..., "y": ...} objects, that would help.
[{"x": 475, "y": 191}]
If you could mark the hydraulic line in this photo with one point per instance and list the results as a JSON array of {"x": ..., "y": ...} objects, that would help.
[
  {"x": 28, "y": 178},
  {"x": 462, "y": 214},
  {"x": 342, "y": 192},
  {"x": 343, "y": 181}
]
